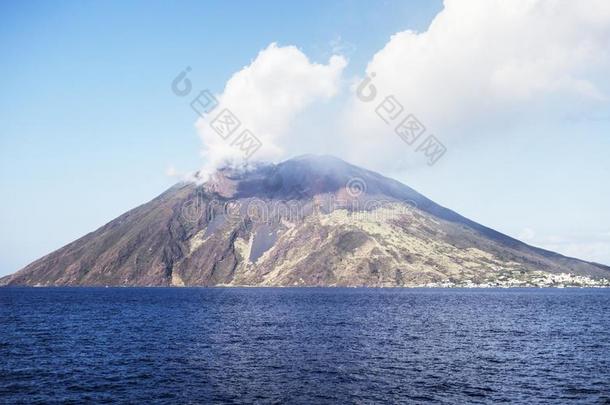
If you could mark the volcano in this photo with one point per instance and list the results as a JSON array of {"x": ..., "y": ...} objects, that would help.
[{"x": 308, "y": 221}]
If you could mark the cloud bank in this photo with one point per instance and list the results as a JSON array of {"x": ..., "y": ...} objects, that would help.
[
  {"x": 484, "y": 65},
  {"x": 481, "y": 66}
]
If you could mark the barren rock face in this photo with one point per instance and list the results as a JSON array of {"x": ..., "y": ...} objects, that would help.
[{"x": 309, "y": 221}]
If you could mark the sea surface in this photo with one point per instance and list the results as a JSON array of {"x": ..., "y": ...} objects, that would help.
[{"x": 308, "y": 345}]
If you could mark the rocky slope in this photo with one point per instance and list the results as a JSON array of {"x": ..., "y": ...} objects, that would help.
[{"x": 309, "y": 221}]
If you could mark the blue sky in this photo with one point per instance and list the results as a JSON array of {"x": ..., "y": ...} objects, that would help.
[{"x": 89, "y": 125}]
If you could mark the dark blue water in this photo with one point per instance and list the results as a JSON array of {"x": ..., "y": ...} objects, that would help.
[{"x": 304, "y": 345}]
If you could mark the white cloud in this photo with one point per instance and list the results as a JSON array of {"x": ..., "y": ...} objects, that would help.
[
  {"x": 266, "y": 96},
  {"x": 482, "y": 66},
  {"x": 487, "y": 64}
]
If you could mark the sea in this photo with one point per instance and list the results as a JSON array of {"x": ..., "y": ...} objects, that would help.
[{"x": 304, "y": 345}]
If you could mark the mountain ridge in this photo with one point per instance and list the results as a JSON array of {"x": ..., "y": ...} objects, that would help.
[{"x": 355, "y": 227}]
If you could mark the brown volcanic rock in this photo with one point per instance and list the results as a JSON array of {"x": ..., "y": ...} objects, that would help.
[{"x": 294, "y": 223}]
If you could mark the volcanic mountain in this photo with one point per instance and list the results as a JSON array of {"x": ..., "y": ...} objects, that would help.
[{"x": 308, "y": 221}]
